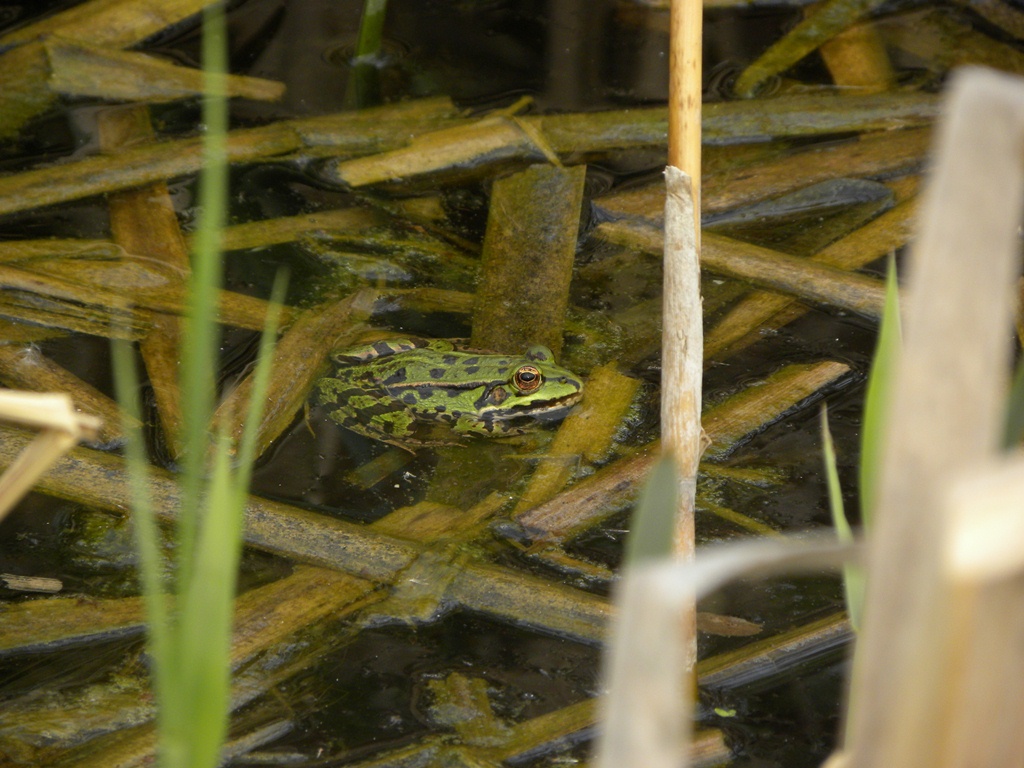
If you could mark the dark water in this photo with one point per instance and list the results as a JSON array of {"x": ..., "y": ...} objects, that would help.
[{"x": 372, "y": 691}]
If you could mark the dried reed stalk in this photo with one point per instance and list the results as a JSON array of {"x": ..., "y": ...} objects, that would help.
[
  {"x": 685, "y": 88},
  {"x": 99, "y": 479},
  {"x": 645, "y": 666},
  {"x": 532, "y": 227},
  {"x": 826, "y": 21},
  {"x": 682, "y": 346},
  {"x": 682, "y": 349},
  {"x": 930, "y": 685},
  {"x": 61, "y": 427},
  {"x": 647, "y": 722},
  {"x": 111, "y": 23}
]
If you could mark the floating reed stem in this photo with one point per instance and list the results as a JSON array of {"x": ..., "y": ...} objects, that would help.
[
  {"x": 532, "y": 226},
  {"x": 144, "y": 223},
  {"x": 822, "y": 24},
  {"x": 300, "y": 358},
  {"x": 585, "y": 435},
  {"x": 100, "y": 480},
  {"x": 111, "y": 23},
  {"x": 345, "y": 133},
  {"x": 870, "y": 155},
  {"x": 761, "y": 309},
  {"x": 606, "y": 491},
  {"x": 765, "y": 268},
  {"x": 856, "y": 58}
]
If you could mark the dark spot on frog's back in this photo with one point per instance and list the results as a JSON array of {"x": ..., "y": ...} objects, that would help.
[
  {"x": 397, "y": 377},
  {"x": 425, "y": 393},
  {"x": 449, "y": 360},
  {"x": 472, "y": 369},
  {"x": 437, "y": 373},
  {"x": 471, "y": 361},
  {"x": 409, "y": 398}
]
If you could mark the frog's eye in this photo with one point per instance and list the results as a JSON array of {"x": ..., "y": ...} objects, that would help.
[{"x": 527, "y": 379}]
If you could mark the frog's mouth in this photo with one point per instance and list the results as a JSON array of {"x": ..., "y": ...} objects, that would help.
[{"x": 537, "y": 410}]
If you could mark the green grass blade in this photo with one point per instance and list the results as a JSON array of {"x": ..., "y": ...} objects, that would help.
[
  {"x": 207, "y": 612},
  {"x": 198, "y": 382},
  {"x": 209, "y": 540},
  {"x": 208, "y": 601},
  {"x": 371, "y": 28},
  {"x": 878, "y": 395},
  {"x": 364, "y": 77},
  {"x": 653, "y": 526},
  {"x": 853, "y": 575}
]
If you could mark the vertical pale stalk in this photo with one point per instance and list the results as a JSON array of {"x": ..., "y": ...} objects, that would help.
[
  {"x": 682, "y": 347},
  {"x": 683, "y": 339},
  {"x": 685, "y": 86},
  {"x": 648, "y": 710},
  {"x": 914, "y": 688},
  {"x": 682, "y": 352}
]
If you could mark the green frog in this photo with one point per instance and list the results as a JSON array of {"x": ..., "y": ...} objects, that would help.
[{"x": 410, "y": 392}]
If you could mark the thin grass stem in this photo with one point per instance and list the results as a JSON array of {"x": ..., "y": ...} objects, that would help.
[
  {"x": 371, "y": 30},
  {"x": 197, "y": 377}
]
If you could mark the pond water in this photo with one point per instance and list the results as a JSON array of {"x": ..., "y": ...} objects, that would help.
[{"x": 367, "y": 688}]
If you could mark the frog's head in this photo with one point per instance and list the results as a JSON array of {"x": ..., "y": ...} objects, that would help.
[{"x": 532, "y": 388}]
